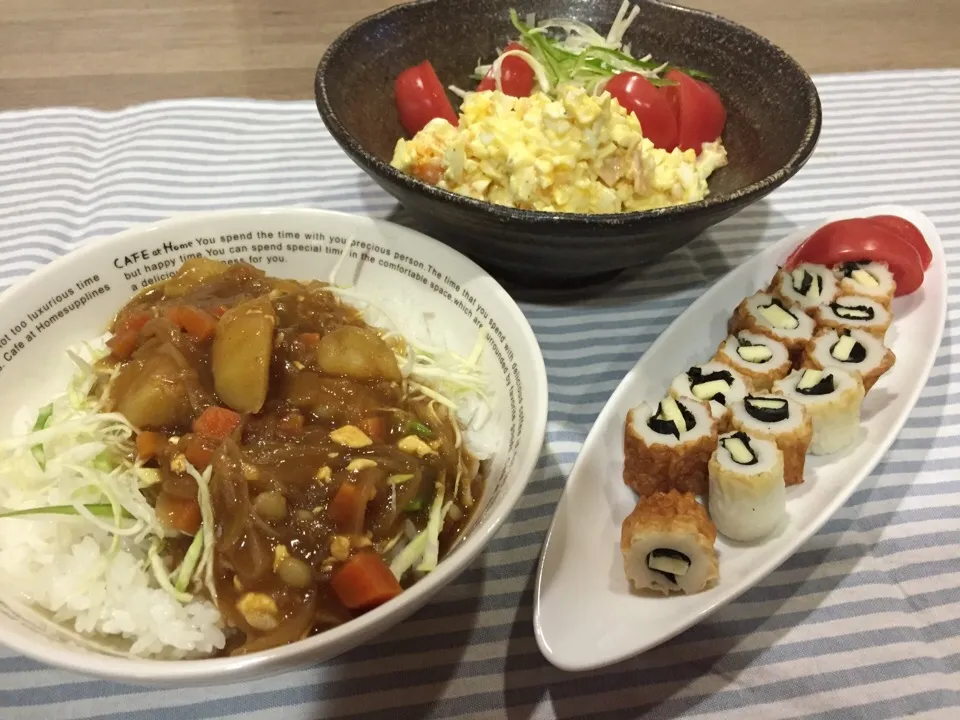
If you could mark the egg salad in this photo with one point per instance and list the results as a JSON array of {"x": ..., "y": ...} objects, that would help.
[{"x": 571, "y": 151}]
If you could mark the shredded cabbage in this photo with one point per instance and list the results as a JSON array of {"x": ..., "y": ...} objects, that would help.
[
  {"x": 87, "y": 453},
  {"x": 431, "y": 551}
]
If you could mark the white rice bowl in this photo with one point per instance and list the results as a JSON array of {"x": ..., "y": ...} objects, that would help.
[{"x": 72, "y": 598}]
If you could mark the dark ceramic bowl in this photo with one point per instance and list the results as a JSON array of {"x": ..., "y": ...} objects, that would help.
[{"x": 773, "y": 124}]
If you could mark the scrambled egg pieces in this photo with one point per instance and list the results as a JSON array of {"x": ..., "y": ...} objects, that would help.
[{"x": 577, "y": 153}]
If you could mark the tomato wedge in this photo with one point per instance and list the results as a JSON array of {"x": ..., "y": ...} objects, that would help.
[
  {"x": 638, "y": 95},
  {"x": 908, "y": 232},
  {"x": 698, "y": 109},
  {"x": 516, "y": 76},
  {"x": 858, "y": 239},
  {"x": 420, "y": 98}
]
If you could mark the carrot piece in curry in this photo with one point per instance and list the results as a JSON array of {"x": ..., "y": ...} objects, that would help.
[
  {"x": 216, "y": 422},
  {"x": 199, "y": 324},
  {"x": 197, "y": 452},
  {"x": 178, "y": 513},
  {"x": 123, "y": 344},
  {"x": 149, "y": 444},
  {"x": 349, "y": 505},
  {"x": 375, "y": 427},
  {"x": 364, "y": 581}
]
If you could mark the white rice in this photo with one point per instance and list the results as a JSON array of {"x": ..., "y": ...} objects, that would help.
[
  {"x": 91, "y": 581},
  {"x": 60, "y": 566}
]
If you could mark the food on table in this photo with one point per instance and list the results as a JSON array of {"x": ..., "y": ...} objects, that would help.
[
  {"x": 747, "y": 498},
  {"x": 867, "y": 279},
  {"x": 806, "y": 285},
  {"x": 668, "y": 447},
  {"x": 775, "y": 417},
  {"x": 713, "y": 383},
  {"x": 788, "y": 381},
  {"x": 854, "y": 350},
  {"x": 769, "y": 315},
  {"x": 248, "y": 464},
  {"x": 759, "y": 359},
  {"x": 420, "y": 98},
  {"x": 896, "y": 243},
  {"x": 832, "y": 398},
  {"x": 908, "y": 233},
  {"x": 855, "y": 312},
  {"x": 565, "y": 120},
  {"x": 667, "y": 544}
]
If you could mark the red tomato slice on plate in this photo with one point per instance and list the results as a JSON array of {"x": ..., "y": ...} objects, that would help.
[
  {"x": 638, "y": 95},
  {"x": 698, "y": 109},
  {"x": 859, "y": 239},
  {"x": 908, "y": 232},
  {"x": 516, "y": 75},
  {"x": 420, "y": 98}
]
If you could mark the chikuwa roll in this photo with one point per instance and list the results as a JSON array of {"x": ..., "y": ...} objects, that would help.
[
  {"x": 760, "y": 359},
  {"x": 832, "y": 398},
  {"x": 777, "y": 418},
  {"x": 714, "y": 383},
  {"x": 669, "y": 446},
  {"x": 853, "y": 350},
  {"x": 748, "y": 496},
  {"x": 866, "y": 279},
  {"x": 855, "y": 312},
  {"x": 807, "y": 285},
  {"x": 769, "y": 315},
  {"x": 667, "y": 544}
]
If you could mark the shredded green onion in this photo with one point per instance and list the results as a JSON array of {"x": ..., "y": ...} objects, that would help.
[
  {"x": 420, "y": 429},
  {"x": 97, "y": 509},
  {"x": 400, "y": 478},
  {"x": 415, "y": 505},
  {"x": 43, "y": 418}
]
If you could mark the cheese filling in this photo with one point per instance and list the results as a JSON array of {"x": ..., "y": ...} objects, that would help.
[
  {"x": 815, "y": 382},
  {"x": 672, "y": 418},
  {"x": 671, "y": 563},
  {"x": 779, "y": 316},
  {"x": 852, "y": 312},
  {"x": 848, "y": 349},
  {"x": 807, "y": 284},
  {"x": 753, "y": 353},
  {"x": 738, "y": 446},
  {"x": 864, "y": 278},
  {"x": 766, "y": 409}
]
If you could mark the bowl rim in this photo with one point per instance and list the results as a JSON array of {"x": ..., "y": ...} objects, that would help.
[
  {"x": 755, "y": 190},
  {"x": 194, "y": 672}
]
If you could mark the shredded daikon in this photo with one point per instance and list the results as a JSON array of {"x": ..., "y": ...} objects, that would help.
[{"x": 563, "y": 50}]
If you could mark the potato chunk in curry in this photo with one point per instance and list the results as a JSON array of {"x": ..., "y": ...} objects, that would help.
[
  {"x": 242, "y": 347},
  {"x": 150, "y": 392},
  {"x": 357, "y": 353}
]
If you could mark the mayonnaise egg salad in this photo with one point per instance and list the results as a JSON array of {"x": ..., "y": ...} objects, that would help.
[{"x": 565, "y": 120}]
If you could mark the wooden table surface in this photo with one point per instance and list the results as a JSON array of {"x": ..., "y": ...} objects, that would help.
[{"x": 111, "y": 53}]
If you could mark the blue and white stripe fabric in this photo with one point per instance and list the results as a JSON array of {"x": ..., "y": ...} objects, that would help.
[{"x": 863, "y": 622}]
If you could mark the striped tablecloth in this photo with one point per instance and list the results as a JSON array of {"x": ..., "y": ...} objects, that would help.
[{"x": 864, "y": 622}]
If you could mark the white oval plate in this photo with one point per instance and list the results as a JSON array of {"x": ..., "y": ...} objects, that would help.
[{"x": 585, "y": 615}]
